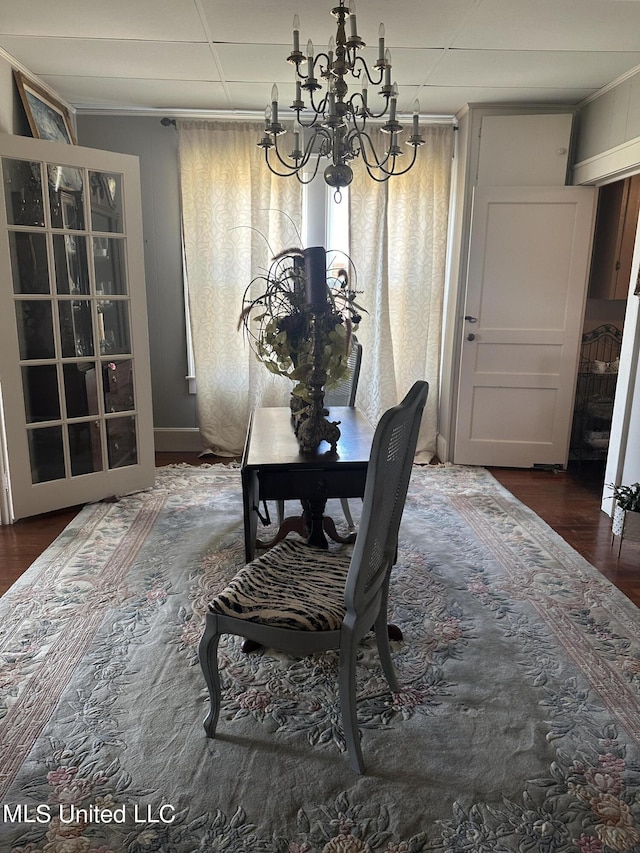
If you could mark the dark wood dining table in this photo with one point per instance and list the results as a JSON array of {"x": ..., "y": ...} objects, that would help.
[{"x": 274, "y": 469}]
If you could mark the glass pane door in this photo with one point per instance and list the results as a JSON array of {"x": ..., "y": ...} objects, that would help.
[{"x": 75, "y": 362}]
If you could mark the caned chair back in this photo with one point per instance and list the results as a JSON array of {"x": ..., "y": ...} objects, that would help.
[
  {"x": 386, "y": 488},
  {"x": 344, "y": 394}
]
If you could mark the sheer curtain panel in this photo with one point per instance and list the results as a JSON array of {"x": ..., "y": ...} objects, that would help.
[
  {"x": 236, "y": 215},
  {"x": 398, "y": 243}
]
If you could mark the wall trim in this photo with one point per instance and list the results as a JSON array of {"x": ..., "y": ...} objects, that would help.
[
  {"x": 442, "y": 451},
  {"x": 615, "y": 163},
  {"x": 18, "y": 66},
  {"x": 221, "y": 115},
  {"x": 177, "y": 440}
]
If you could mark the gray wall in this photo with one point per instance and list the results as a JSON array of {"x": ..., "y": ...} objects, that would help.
[
  {"x": 609, "y": 120},
  {"x": 156, "y": 147}
]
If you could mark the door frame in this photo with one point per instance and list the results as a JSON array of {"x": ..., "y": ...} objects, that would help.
[
  {"x": 613, "y": 165},
  {"x": 623, "y": 460}
]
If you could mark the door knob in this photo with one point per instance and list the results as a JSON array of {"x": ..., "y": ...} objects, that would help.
[
  {"x": 471, "y": 337},
  {"x": 471, "y": 319}
]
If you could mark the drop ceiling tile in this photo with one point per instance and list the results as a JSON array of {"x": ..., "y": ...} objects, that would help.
[
  {"x": 533, "y": 68},
  {"x": 111, "y": 58},
  {"x": 257, "y": 95},
  {"x": 115, "y": 93},
  {"x": 268, "y": 63},
  {"x": 171, "y": 20},
  {"x": 416, "y": 23},
  {"x": 251, "y": 62},
  {"x": 551, "y": 24},
  {"x": 449, "y": 100}
]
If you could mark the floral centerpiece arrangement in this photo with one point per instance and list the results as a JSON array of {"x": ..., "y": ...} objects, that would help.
[{"x": 278, "y": 321}]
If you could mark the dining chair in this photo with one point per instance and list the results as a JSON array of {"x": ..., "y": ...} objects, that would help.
[
  {"x": 300, "y": 599},
  {"x": 344, "y": 394}
]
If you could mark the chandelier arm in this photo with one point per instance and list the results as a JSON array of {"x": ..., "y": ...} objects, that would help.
[
  {"x": 292, "y": 171},
  {"x": 315, "y": 172},
  {"x": 316, "y": 118},
  {"x": 362, "y": 61},
  {"x": 316, "y": 58},
  {"x": 301, "y": 162},
  {"x": 357, "y": 112},
  {"x": 381, "y": 163},
  {"x": 324, "y": 72},
  {"x": 363, "y": 140},
  {"x": 386, "y": 96},
  {"x": 292, "y": 166},
  {"x": 308, "y": 149},
  {"x": 389, "y": 173},
  {"x": 295, "y": 168},
  {"x": 320, "y": 108}
]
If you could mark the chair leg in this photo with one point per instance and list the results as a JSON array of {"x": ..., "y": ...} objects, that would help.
[
  {"x": 384, "y": 650},
  {"x": 347, "y": 513},
  {"x": 208, "y": 655},
  {"x": 347, "y": 688},
  {"x": 382, "y": 630},
  {"x": 280, "y": 505}
]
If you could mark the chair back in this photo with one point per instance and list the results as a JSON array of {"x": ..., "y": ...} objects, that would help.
[
  {"x": 344, "y": 394},
  {"x": 388, "y": 475}
]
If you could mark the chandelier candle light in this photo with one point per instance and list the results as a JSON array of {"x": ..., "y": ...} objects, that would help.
[{"x": 336, "y": 120}]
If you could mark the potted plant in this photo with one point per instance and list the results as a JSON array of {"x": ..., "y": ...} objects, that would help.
[
  {"x": 277, "y": 322},
  {"x": 626, "y": 515}
]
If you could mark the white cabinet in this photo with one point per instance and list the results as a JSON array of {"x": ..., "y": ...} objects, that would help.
[{"x": 524, "y": 150}]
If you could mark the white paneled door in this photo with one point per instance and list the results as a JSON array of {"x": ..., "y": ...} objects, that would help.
[
  {"x": 74, "y": 354},
  {"x": 529, "y": 261}
]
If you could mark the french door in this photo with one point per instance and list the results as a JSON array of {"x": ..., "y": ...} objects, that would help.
[{"x": 74, "y": 356}]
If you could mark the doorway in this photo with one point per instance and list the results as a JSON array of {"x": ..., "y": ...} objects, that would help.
[{"x": 608, "y": 293}]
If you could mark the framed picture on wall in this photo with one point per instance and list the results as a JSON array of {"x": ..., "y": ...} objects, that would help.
[{"x": 48, "y": 118}]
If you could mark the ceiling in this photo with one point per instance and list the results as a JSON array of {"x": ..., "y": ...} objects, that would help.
[{"x": 195, "y": 56}]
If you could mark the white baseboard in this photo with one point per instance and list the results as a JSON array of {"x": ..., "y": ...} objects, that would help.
[
  {"x": 169, "y": 440},
  {"x": 442, "y": 451}
]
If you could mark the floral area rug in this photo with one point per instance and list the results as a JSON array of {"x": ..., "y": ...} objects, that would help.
[{"x": 517, "y": 727}]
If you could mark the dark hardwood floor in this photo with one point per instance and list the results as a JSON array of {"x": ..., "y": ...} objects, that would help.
[{"x": 568, "y": 501}]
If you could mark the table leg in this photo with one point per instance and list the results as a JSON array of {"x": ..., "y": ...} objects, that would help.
[
  {"x": 292, "y": 524},
  {"x": 249, "y": 501},
  {"x": 315, "y": 511},
  {"x": 330, "y": 529}
]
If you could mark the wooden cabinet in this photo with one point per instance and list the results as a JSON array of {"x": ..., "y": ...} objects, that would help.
[{"x": 614, "y": 240}]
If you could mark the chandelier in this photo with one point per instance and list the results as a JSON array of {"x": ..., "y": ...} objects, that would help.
[{"x": 334, "y": 119}]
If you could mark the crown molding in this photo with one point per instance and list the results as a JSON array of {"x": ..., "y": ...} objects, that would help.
[
  {"x": 18, "y": 66},
  {"x": 612, "y": 85}
]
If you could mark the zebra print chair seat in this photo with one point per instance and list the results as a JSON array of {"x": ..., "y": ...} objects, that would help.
[
  {"x": 291, "y": 586},
  {"x": 302, "y": 600}
]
